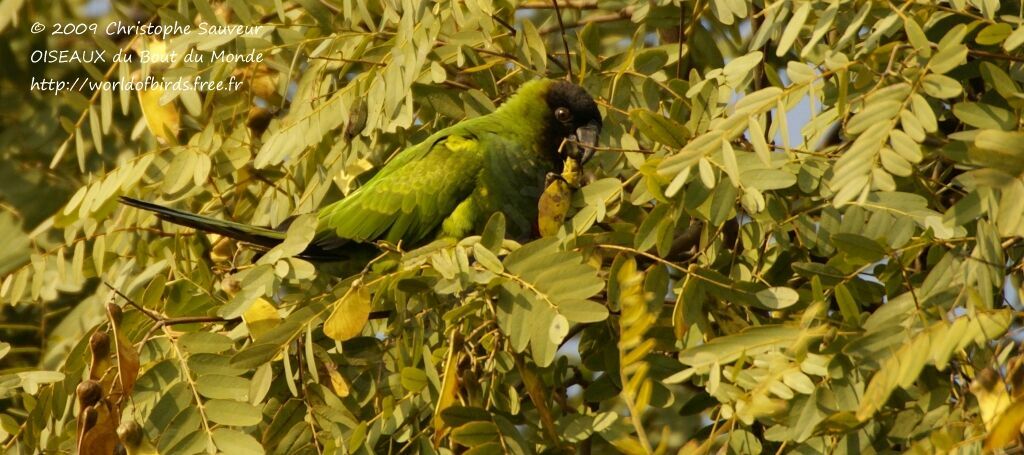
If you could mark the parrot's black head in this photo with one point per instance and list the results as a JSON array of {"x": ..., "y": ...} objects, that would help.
[{"x": 573, "y": 115}]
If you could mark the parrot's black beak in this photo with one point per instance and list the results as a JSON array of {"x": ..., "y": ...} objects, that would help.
[{"x": 587, "y": 135}]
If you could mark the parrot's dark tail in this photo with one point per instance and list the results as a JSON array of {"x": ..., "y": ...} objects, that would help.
[{"x": 263, "y": 237}]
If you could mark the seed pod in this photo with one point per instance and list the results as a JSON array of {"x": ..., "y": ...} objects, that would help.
[
  {"x": 130, "y": 433},
  {"x": 356, "y": 119},
  {"x": 89, "y": 392},
  {"x": 115, "y": 313},
  {"x": 99, "y": 345},
  {"x": 89, "y": 417}
]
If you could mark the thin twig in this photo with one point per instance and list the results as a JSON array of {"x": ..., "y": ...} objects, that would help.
[
  {"x": 625, "y": 13},
  {"x": 553, "y": 4},
  {"x": 190, "y": 320},
  {"x": 565, "y": 42},
  {"x": 350, "y": 60},
  {"x": 682, "y": 36},
  {"x": 1012, "y": 58},
  {"x": 507, "y": 26},
  {"x": 155, "y": 317}
]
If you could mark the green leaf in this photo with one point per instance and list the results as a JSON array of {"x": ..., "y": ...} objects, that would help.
[
  {"x": 494, "y": 232},
  {"x": 648, "y": 232},
  {"x": 993, "y": 34},
  {"x": 300, "y": 232},
  {"x": 940, "y": 86},
  {"x": 232, "y": 413},
  {"x": 792, "y": 30},
  {"x": 583, "y": 311},
  {"x": 414, "y": 379},
  {"x": 234, "y": 441},
  {"x": 740, "y": 71},
  {"x": 915, "y": 34},
  {"x": 858, "y": 247},
  {"x": 659, "y": 128},
  {"x": 220, "y": 386},
  {"x": 874, "y": 113},
  {"x": 847, "y": 305},
  {"x": 490, "y": 448},
  {"x": 905, "y": 146},
  {"x": 750, "y": 342},
  {"x": 205, "y": 342},
  {"x": 767, "y": 179},
  {"x": 777, "y": 298},
  {"x": 948, "y": 57},
  {"x": 559, "y": 329},
  {"x": 649, "y": 61},
  {"x": 475, "y": 433},
  {"x": 1014, "y": 40},
  {"x": 985, "y": 116},
  {"x": 486, "y": 258},
  {"x": 903, "y": 366},
  {"x": 460, "y": 415}
]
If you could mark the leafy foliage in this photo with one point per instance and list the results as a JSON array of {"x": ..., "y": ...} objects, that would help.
[{"x": 801, "y": 233}]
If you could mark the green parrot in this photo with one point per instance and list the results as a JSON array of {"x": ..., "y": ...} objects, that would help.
[{"x": 448, "y": 185}]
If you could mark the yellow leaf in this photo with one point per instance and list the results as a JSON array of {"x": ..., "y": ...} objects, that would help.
[
  {"x": 554, "y": 202},
  {"x": 162, "y": 120},
  {"x": 350, "y": 314},
  {"x": 553, "y": 207},
  {"x": 1007, "y": 428},
  {"x": 990, "y": 390},
  {"x": 629, "y": 445},
  {"x": 338, "y": 383},
  {"x": 260, "y": 318}
]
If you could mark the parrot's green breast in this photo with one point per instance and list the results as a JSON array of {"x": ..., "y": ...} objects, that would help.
[{"x": 450, "y": 184}]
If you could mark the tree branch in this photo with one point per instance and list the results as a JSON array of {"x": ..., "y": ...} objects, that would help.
[
  {"x": 552, "y": 5},
  {"x": 624, "y": 14}
]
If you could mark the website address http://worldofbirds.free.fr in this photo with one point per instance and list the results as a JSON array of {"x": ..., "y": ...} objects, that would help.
[{"x": 86, "y": 84}]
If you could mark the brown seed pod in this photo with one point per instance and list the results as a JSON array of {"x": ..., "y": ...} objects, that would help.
[
  {"x": 115, "y": 313},
  {"x": 356, "y": 119},
  {"x": 89, "y": 392},
  {"x": 130, "y": 433},
  {"x": 89, "y": 417},
  {"x": 99, "y": 345}
]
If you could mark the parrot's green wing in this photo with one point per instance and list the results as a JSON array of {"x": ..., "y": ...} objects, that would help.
[{"x": 409, "y": 198}]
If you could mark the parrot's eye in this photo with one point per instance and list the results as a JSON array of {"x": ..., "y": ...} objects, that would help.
[{"x": 563, "y": 115}]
